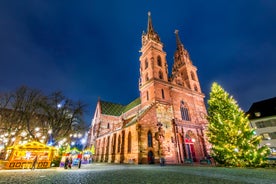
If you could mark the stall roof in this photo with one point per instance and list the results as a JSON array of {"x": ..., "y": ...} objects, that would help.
[{"x": 32, "y": 145}]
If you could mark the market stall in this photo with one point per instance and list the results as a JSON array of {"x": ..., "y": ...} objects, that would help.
[
  {"x": 87, "y": 157},
  {"x": 76, "y": 155},
  {"x": 23, "y": 156}
]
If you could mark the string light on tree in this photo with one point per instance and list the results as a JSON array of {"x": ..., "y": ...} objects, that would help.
[{"x": 234, "y": 143}]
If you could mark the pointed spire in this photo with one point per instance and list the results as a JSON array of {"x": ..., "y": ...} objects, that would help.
[
  {"x": 151, "y": 34},
  {"x": 178, "y": 41},
  {"x": 150, "y": 27}
]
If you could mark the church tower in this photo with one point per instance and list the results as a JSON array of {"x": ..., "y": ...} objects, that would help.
[
  {"x": 153, "y": 68},
  {"x": 184, "y": 73},
  {"x": 166, "y": 122}
]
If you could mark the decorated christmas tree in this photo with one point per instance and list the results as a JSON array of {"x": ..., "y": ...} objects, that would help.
[{"x": 234, "y": 142}]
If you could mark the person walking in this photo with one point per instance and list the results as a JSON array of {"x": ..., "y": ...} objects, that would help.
[
  {"x": 34, "y": 162},
  {"x": 66, "y": 163},
  {"x": 70, "y": 162},
  {"x": 162, "y": 161},
  {"x": 80, "y": 159},
  {"x": 79, "y": 163}
]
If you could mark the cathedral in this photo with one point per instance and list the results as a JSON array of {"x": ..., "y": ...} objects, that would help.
[{"x": 166, "y": 122}]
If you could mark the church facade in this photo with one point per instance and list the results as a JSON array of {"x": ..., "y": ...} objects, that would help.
[{"x": 166, "y": 122}]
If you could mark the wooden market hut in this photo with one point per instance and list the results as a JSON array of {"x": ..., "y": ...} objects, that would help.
[{"x": 22, "y": 156}]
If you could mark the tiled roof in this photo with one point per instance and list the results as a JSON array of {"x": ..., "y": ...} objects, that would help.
[
  {"x": 115, "y": 109},
  {"x": 264, "y": 108},
  {"x": 132, "y": 104},
  {"x": 111, "y": 108}
]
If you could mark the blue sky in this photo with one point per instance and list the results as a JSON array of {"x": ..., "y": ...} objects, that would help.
[{"x": 90, "y": 48}]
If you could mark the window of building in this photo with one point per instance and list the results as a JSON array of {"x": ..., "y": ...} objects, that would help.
[
  {"x": 272, "y": 135},
  {"x": 163, "y": 94},
  {"x": 149, "y": 139},
  {"x": 99, "y": 143},
  {"x": 147, "y": 77},
  {"x": 147, "y": 96},
  {"x": 108, "y": 126},
  {"x": 184, "y": 111},
  {"x": 260, "y": 124},
  {"x": 159, "y": 62},
  {"x": 192, "y": 75},
  {"x": 195, "y": 88},
  {"x": 160, "y": 75},
  {"x": 264, "y": 124},
  {"x": 129, "y": 143},
  {"x": 146, "y": 63},
  {"x": 119, "y": 143},
  {"x": 114, "y": 144}
]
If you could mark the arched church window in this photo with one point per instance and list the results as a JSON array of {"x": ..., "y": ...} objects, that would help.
[
  {"x": 163, "y": 94},
  {"x": 192, "y": 75},
  {"x": 119, "y": 144},
  {"x": 129, "y": 143},
  {"x": 159, "y": 62},
  {"x": 147, "y": 77},
  {"x": 99, "y": 144},
  {"x": 149, "y": 139},
  {"x": 113, "y": 141},
  {"x": 195, "y": 88},
  {"x": 184, "y": 111},
  {"x": 108, "y": 126},
  {"x": 160, "y": 75},
  {"x": 146, "y": 63}
]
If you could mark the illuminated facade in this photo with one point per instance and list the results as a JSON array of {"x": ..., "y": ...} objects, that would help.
[
  {"x": 262, "y": 116},
  {"x": 166, "y": 121}
]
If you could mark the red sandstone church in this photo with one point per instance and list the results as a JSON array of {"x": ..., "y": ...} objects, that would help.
[{"x": 168, "y": 119}]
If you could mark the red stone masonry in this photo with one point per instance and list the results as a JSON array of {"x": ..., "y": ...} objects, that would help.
[{"x": 169, "y": 122}]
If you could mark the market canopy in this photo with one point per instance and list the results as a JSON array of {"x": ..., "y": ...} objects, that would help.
[{"x": 32, "y": 145}]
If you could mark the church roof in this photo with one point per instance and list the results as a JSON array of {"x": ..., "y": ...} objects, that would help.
[
  {"x": 264, "y": 108},
  {"x": 134, "y": 118},
  {"x": 116, "y": 109}
]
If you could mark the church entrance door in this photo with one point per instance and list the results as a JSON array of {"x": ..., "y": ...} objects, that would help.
[{"x": 150, "y": 157}]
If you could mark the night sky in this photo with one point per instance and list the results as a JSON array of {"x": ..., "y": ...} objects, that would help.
[{"x": 90, "y": 48}]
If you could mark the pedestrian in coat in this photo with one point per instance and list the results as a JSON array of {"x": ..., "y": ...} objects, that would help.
[
  {"x": 66, "y": 163},
  {"x": 34, "y": 163}
]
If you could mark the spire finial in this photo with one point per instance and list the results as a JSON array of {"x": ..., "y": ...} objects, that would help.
[
  {"x": 151, "y": 34},
  {"x": 150, "y": 27},
  {"x": 178, "y": 42}
]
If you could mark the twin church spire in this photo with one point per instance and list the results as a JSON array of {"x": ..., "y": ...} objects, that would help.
[
  {"x": 182, "y": 69},
  {"x": 154, "y": 78}
]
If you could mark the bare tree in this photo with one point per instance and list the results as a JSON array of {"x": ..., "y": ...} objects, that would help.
[
  {"x": 19, "y": 114},
  {"x": 64, "y": 116},
  {"x": 27, "y": 114}
]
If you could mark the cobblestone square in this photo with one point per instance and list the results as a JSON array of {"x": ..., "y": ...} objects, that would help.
[{"x": 111, "y": 173}]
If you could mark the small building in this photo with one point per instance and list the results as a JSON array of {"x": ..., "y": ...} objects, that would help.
[
  {"x": 22, "y": 156},
  {"x": 262, "y": 116}
]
